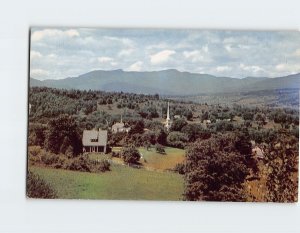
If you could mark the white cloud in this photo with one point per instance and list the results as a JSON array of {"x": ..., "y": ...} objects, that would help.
[
  {"x": 125, "y": 52},
  {"x": 242, "y": 46},
  {"x": 194, "y": 55},
  {"x": 205, "y": 48},
  {"x": 114, "y": 63},
  {"x": 39, "y": 35},
  {"x": 281, "y": 67},
  {"x": 52, "y": 55},
  {"x": 66, "y": 51},
  {"x": 123, "y": 40},
  {"x": 137, "y": 66},
  {"x": 161, "y": 57},
  {"x": 256, "y": 69},
  {"x": 253, "y": 68},
  {"x": 105, "y": 59},
  {"x": 72, "y": 33},
  {"x": 201, "y": 55},
  {"x": 228, "y": 48},
  {"x": 38, "y": 73},
  {"x": 35, "y": 55},
  {"x": 223, "y": 68},
  {"x": 157, "y": 46},
  {"x": 231, "y": 40},
  {"x": 285, "y": 67},
  {"x": 297, "y": 53},
  {"x": 241, "y": 41}
]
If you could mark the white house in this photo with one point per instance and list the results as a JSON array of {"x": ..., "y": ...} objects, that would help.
[
  {"x": 120, "y": 127},
  {"x": 94, "y": 141}
]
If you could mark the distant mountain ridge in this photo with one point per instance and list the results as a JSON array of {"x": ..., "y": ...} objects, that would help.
[{"x": 167, "y": 82}]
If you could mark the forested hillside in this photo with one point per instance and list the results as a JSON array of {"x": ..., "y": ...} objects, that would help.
[
  {"x": 215, "y": 137},
  {"x": 168, "y": 82}
]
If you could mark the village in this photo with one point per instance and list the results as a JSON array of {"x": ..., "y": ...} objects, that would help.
[
  {"x": 145, "y": 144},
  {"x": 96, "y": 141}
]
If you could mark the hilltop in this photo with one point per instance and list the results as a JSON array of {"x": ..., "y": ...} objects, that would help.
[{"x": 167, "y": 82}]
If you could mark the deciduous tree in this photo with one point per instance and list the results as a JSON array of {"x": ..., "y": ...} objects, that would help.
[
  {"x": 215, "y": 171},
  {"x": 61, "y": 132},
  {"x": 282, "y": 163}
]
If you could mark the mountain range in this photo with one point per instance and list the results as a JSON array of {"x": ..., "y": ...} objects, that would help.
[{"x": 167, "y": 82}]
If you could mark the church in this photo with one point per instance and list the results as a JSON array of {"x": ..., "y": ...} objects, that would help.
[{"x": 119, "y": 127}]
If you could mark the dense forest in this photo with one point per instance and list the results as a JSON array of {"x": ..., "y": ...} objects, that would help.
[{"x": 218, "y": 139}]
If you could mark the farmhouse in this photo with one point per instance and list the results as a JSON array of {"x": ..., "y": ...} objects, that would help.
[{"x": 94, "y": 141}]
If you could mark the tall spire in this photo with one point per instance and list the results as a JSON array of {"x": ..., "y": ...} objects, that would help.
[
  {"x": 121, "y": 119},
  {"x": 168, "y": 112},
  {"x": 168, "y": 123}
]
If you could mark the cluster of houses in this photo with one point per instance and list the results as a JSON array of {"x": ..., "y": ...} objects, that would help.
[
  {"x": 96, "y": 140},
  {"x": 207, "y": 122}
]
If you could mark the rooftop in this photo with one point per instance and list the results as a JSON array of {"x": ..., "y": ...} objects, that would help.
[{"x": 94, "y": 137}]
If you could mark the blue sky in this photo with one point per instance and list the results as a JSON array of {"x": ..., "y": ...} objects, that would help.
[{"x": 68, "y": 52}]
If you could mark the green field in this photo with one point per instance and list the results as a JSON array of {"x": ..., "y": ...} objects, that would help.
[
  {"x": 158, "y": 161},
  {"x": 151, "y": 160},
  {"x": 121, "y": 183}
]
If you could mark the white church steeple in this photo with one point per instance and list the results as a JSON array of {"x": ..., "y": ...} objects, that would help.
[{"x": 168, "y": 120}]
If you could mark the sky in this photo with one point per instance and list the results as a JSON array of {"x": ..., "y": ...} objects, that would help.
[{"x": 57, "y": 53}]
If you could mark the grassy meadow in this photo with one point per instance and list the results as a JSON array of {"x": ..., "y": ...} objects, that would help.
[
  {"x": 152, "y": 159},
  {"x": 121, "y": 183}
]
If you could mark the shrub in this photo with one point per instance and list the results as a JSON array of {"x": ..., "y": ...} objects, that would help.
[
  {"x": 160, "y": 149},
  {"x": 177, "y": 139},
  {"x": 178, "y": 124},
  {"x": 49, "y": 158},
  {"x": 115, "y": 154},
  {"x": 195, "y": 131},
  {"x": 223, "y": 126},
  {"x": 53, "y": 160},
  {"x": 103, "y": 166},
  {"x": 137, "y": 127},
  {"x": 130, "y": 155},
  {"x": 295, "y": 132},
  {"x": 36, "y": 134},
  {"x": 38, "y": 188},
  {"x": 33, "y": 160},
  {"x": 34, "y": 153},
  {"x": 34, "y": 150},
  {"x": 161, "y": 137},
  {"x": 80, "y": 163},
  {"x": 180, "y": 168}
]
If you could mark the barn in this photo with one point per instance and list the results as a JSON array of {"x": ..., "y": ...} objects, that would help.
[{"x": 94, "y": 141}]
